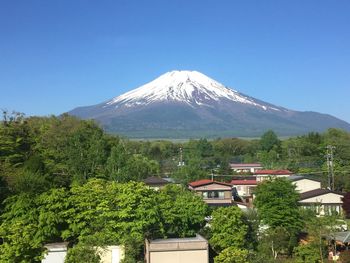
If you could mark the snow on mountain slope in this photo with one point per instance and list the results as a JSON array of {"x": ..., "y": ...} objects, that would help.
[{"x": 190, "y": 87}]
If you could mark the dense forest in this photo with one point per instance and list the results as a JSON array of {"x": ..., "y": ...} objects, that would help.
[{"x": 65, "y": 179}]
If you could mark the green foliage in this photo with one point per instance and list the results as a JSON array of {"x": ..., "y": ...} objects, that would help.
[
  {"x": 82, "y": 253},
  {"x": 232, "y": 255},
  {"x": 21, "y": 242},
  {"x": 277, "y": 204},
  {"x": 227, "y": 228},
  {"x": 307, "y": 253},
  {"x": 181, "y": 211},
  {"x": 269, "y": 140},
  {"x": 275, "y": 241},
  {"x": 109, "y": 213}
]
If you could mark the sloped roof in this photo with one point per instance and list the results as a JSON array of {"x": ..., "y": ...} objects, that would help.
[
  {"x": 317, "y": 192},
  {"x": 206, "y": 182},
  {"x": 243, "y": 182},
  {"x": 155, "y": 180},
  {"x": 294, "y": 178},
  {"x": 273, "y": 172},
  {"x": 343, "y": 237}
]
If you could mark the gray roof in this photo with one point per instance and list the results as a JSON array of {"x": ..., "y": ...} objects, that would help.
[
  {"x": 343, "y": 237},
  {"x": 153, "y": 180},
  {"x": 294, "y": 178},
  {"x": 177, "y": 240}
]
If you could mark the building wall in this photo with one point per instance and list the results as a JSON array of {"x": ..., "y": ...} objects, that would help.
[
  {"x": 194, "y": 256},
  {"x": 263, "y": 177},
  {"x": 55, "y": 257},
  {"x": 111, "y": 254},
  {"x": 324, "y": 204},
  {"x": 305, "y": 185}
]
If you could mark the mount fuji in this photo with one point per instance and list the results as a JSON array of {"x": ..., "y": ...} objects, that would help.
[{"x": 188, "y": 104}]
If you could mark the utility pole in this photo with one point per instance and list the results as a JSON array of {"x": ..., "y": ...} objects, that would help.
[
  {"x": 330, "y": 167},
  {"x": 181, "y": 162}
]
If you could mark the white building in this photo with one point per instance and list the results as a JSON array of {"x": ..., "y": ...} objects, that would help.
[
  {"x": 177, "y": 250},
  {"x": 304, "y": 184},
  {"x": 323, "y": 201},
  {"x": 245, "y": 167}
]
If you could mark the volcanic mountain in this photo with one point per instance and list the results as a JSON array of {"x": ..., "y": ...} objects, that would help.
[{"x": 188, "y": 104}]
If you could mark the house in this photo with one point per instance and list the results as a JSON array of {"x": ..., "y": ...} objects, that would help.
[
  {"x": 245, "y": 187},
  {"x": 304, "y": 184},
  {"x": 323, "y": 201},
  {"x": 213, "y": 193},
  {"x": 245, "y": 167},
  {"x": 155, "y": 183},
  {"x": 262, "y": 175},
  {"x": 56, "y": 252},
  {"x": 177, "y": 250}
]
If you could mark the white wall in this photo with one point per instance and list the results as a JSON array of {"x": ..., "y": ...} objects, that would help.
[{"x": 305, "y": 185}]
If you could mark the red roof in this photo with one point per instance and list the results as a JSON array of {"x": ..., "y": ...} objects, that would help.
[
  {"x": 206, "y": 181},
  {"x": 243, "y": 182},
  {"x": 273, "y": 172}
]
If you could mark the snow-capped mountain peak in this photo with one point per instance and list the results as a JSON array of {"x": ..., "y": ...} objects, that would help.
[{"x": 190, "y": 87}]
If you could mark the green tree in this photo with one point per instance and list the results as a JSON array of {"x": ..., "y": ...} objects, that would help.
[
  {"x": 227, "y": 228},
  {"x": 277, "y": 204},
  {"x": 232, "y": 255},
  {"x": 82, "y": 253},
  {"x": 269, "y": 140},
  {"x": 275, "y": 241},
  {"x": 307, "y": 253},
  {"x": 182, "y": 212}
]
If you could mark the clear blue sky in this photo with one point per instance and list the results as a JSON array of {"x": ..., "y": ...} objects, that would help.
[{"x": 57, "y": 55}]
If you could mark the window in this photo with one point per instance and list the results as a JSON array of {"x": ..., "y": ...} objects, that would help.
[{"x": 214, "y": 195}]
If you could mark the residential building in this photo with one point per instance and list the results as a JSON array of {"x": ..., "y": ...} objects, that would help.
[
  {"x": 56, "y": 252},
  {"x": 213, "y": 193},
  {"x": 304, "y": 184},
  {"x": 262, "y": 175},
  {"x": 245, "y": 167},
  {"x": 177, "y": 250},
  {"x": 155, "y": 183},
  {"x": 323, "y": 201},
  {"x": 245, "y": 187}
]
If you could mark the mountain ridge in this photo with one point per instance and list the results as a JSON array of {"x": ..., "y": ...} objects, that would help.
[{"x": 190, "y": 104}]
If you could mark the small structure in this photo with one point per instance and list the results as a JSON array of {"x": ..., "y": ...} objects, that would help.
[
  {"x": 245, "y": 187},
  {"x": 262, "y": 175},
  {"x": 304, "y": 184},
  {"x": 155, "y": 183},
  {"x": 213, "y": 193},
  {"x": 56, "y": 252},
  {"x": 323, "y": 201},
  {"x": 245, "y": 167},
  {"x": 177, "y": 250}
]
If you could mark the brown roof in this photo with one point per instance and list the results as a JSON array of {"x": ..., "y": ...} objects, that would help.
[
  {"x": 205, "y": 182},
  {"x": 155, "y": 180},
  {"x": 243, "y": 182},
  {"x": 317, "y": 192}
]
